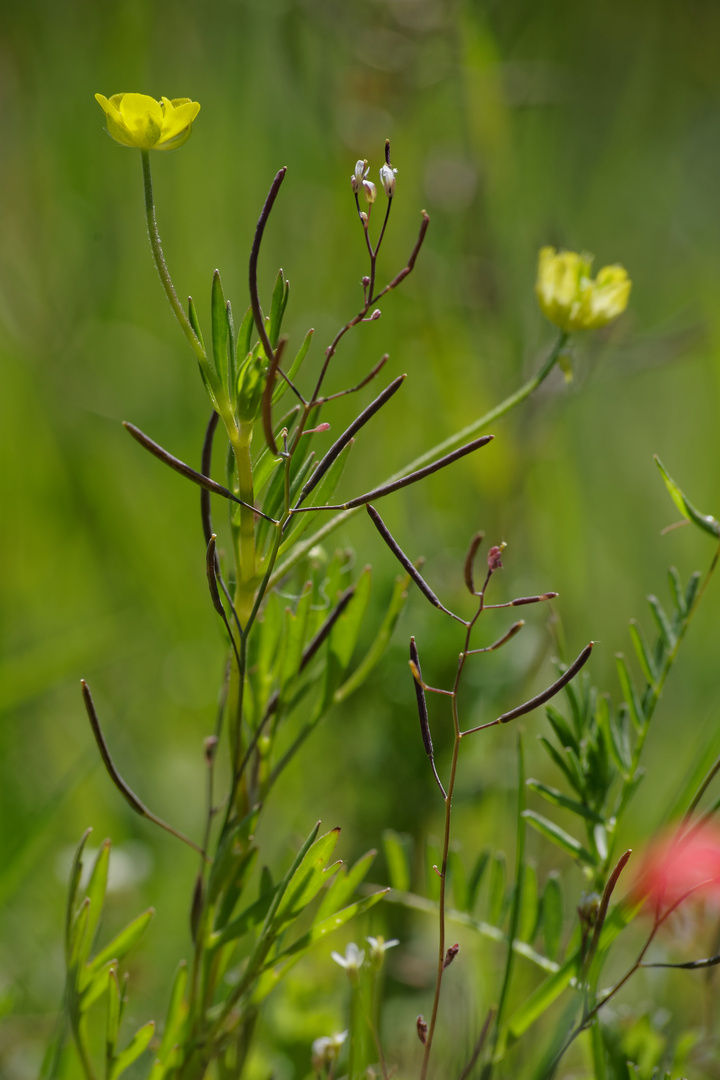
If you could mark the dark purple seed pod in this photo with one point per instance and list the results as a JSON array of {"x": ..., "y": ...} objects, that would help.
[{"x": 470, "y": 561}]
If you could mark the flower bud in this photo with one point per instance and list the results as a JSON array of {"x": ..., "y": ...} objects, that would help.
[
  {"x": 369, "y": 190},
  {"x": 493, "y": 557},
  {"x": 325, "y": 1051},
  {"x": 422, "y": 1029},
  {"x": 387, "y": 179}
]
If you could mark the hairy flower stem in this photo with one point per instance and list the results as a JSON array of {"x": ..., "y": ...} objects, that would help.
[{"x": 506, "y": 406}]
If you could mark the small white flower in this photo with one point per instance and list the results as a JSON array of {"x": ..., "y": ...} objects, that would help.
[
  {"x": 326, "y": 1050},
  {"x": 378, "y": 948},
  {"x": 361, "y": 171},
  {"x": 352, "y": 961},
  {"x": 387, "y": 179}
]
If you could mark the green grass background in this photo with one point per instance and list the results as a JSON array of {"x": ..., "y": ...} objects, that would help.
[{"x": 594, "y": 127}]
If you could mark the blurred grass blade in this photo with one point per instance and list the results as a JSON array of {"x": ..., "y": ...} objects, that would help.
[
  {"x": 706, "y": 522},
  {"x": 396, "y": 847},
  {"x": 496, "y": 888},
  {"x": 541, "y": 999},
  {"x": 382, "y": 639},
  {"x": 476, "y": 877},
  {"x": 552, "y": 915}
]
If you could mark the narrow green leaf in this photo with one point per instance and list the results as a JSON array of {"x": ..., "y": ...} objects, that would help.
[
  {"x": 558, "y": 836},
  {"x": 73, "y": 886},
  {"x": 78, "y": 931},
  {"x": 663, "y": 623},
  {"x": 642, "y": 652},
  {"x": 245, "y": 334},
  {"x": 629, "y": 692},
  {"x": 676, "y": 588},
  {"x": 552, "y": 915},
  {"x": 575, "y": 705},
  {"x": 296, "y": 638},
  {"x": 567, "y": 763},
  {"x": 95, "y": 893},
  {"x": 691, "y": 591},
  {"x": 139, "y": 1042},
  {"x": 277, "y": 307},
  {"x": 343, "y": 638},
  {"x": 706, "y": 522},
  {"x": 529, "y": 918},
  {"x": 542, "y": 998},
  {"x": 322, "y": 495},
  {"x": 194, "y": 321},
  {"x": 121, "y": 945},
  {"x": 552, "y": 795},
  {"x": 219, "y": 331},
  {"x": 113, "y": 1017},
  {"x": 344, "y": 884},
  {"x": 176, "y": 1013},
  {"x": 562, "y": 729},
  {"x": 397, "y": 849},
  {"x": 458, "y": 880},
  {"x": 306, "y": 881},
  {"x": 496, "y": 888},
  {"x": 248, "y": 919},
  {"x": 476, "y": 877},
  {"x": 279, "y": 966},
  {"x": 232, "y": 356}
]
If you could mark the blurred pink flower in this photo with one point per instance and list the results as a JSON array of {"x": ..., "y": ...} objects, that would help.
[{"x": 675, "y": 867}]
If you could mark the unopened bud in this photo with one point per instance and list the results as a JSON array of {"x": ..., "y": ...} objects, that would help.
[
  {"x": 365, "y": 281},
  {"x": 493, "y": 557},
  {"x": 422, "y": 1029},
  {"x": 363, "y": 217},
  {"x": 450, "y": 955},
  {"x": 376, "y": 314},
  {"x": 210, "y": 744},
  {"x": 387, "y": 179},
  {"x": 588, "y": 908},
  {"x": 370, "y": 190}
]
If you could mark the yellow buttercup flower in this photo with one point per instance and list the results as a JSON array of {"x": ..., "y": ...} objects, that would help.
[
  {"x": 573, "y": 300},
  {"x": 140, "y": 121}
]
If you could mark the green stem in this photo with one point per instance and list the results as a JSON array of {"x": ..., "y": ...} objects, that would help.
[
  {"x": 161, "y": 265},
  {"x": 452, "y": 443}
]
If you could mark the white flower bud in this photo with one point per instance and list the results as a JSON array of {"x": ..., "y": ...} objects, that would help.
[
  {"x": 387, "y": 179},
  {"x": 325, "y": 1051},
  {"x": 370, "y": 190}
]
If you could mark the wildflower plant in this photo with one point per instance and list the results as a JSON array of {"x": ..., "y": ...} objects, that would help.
[{"x": 288, "y": 665}]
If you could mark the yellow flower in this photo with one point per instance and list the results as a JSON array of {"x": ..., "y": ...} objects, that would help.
[
  {"x": 141, "y": 121},
  {"x": 571, "y": 299}
]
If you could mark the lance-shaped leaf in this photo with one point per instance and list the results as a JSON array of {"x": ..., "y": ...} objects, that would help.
[
  {"x": 552, "y": 795},
  {"x": 558, "y": 836},
  {"x": 706, "y": 522},
  {"x": 247, "y": 920},
  {"x": 74, "y": 884},
  {"x": 95, "y": 893},
  {"x": 121, "y": 945},
  {"x": 344, "y": 884},
  {"x": 306, "y": 881},
  {"x": 174, "y": 1020},
  {"x": 629, "y": 692},
  {"x": 542, "y": 998},
  {"x": 218, "y": 313},
  {"x": 552, "y": 915},
  {"x": 397, "y": 858},
  {"x": 279, "y": 965},
  {"x": 298, "y": 523},
  {"x": 127, "y": 1057},
  {"x": 113, "y": 1017}
]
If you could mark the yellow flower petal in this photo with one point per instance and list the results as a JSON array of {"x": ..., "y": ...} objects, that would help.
[{"x": 569, "y": 297}]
